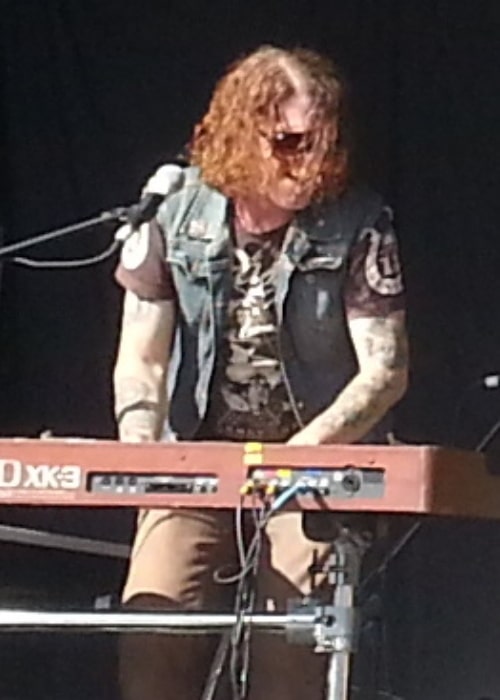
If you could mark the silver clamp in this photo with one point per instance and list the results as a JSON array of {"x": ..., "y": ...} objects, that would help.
[{"x": 327, "y": 628}]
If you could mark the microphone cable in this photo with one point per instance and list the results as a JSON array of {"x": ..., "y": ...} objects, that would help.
[{"x": 67, "y": 264}]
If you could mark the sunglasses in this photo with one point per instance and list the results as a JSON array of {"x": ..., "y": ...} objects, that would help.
[{"x": 291, "y": 143}]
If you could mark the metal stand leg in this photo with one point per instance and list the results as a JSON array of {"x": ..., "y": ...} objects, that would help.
[
  {"x": 336, "y": 631},
  {"x": 339, "y": 666}
]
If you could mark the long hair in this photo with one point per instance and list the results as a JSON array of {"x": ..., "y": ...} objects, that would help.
[{"x": 245, "y": 104}]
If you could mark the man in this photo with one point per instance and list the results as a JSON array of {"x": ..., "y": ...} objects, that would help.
[{"x": 281, "y": 286}]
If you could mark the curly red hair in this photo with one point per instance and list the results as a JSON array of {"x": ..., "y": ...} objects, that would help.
[{"x": 245, "y": 104}]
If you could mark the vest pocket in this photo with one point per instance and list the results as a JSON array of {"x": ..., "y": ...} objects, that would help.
[{"x": 322, "y": 262}]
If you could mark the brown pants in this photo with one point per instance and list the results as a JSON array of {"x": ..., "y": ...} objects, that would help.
[{"x": 173, "y": 561}]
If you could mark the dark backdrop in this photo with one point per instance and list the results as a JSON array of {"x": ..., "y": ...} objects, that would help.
[{"x": 96, "y": 93}]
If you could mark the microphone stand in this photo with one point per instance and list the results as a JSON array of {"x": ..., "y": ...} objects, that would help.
[
  {"x": 488, "y": 382},
  {"x": 485, "y": 441},
  {"x": 117, "y": 214}
]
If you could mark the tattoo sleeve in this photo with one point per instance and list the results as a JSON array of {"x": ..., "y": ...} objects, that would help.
[
  {"x": 139, "y": 376},
  {"x": 382, "y": 352},
  {"x": 138, "y": 417}
]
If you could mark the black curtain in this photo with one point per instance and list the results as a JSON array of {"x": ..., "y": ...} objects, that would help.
[{"x": 97, "y": 93}]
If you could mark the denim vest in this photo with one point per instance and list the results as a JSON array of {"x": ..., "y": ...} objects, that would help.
[{"x": 317, "y": 353}]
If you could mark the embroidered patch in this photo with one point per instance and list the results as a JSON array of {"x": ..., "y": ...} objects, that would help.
[
  {"x": 382, "y": 267},
  {"x": 136, "y": 248}
]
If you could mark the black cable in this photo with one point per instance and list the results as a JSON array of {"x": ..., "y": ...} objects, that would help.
[
  {"x": 67, "y": 264},
  {"x": 392, "y": 554},
  {"x": 105, "y": 217},
  {"x": 294, "y": 404},
  {"x": 244, "y": 604},
  {"x": 245, "y": 595}
]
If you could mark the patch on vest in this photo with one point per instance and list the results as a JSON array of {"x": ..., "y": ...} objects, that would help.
[
  {"x": 382, "y": 266},
  {"x": 135, "y": 249},
  {"x": 197, "y": 228}
]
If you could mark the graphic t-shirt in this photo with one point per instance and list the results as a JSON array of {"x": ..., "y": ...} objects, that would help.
[{"x": 249, "y": 399}]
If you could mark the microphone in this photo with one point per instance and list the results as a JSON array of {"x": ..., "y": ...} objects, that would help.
[
  {"x": 144, "y": 210},
  {"x": 164, "y": 182}
]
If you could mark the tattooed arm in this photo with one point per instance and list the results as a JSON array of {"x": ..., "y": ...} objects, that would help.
[
  {"x": 382, "y": 352},
  {"x": 141, "y": 365}
]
